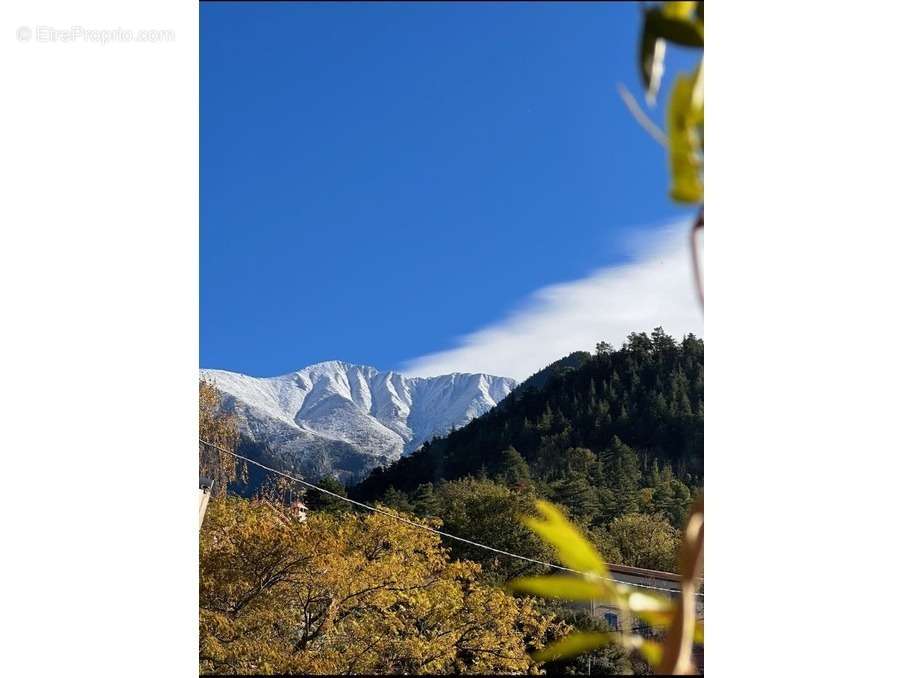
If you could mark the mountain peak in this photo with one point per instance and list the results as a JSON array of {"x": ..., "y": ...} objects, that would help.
[{"x": 336, "y": 417}]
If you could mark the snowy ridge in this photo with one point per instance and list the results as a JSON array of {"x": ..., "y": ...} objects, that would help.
[{"x": 343, "y": 419}]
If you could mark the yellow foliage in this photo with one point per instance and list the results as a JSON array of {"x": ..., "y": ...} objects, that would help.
[
  {"x": 350, "y": 594},
  {"x": 219, "y": 429},
  {"x": 685, "y": 122},
  {"x": 572, "y": 550}
]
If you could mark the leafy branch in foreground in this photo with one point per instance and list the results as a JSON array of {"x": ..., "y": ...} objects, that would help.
[
  {"x": 594, "y": 583},
  {"x": 682, "y": 24}
]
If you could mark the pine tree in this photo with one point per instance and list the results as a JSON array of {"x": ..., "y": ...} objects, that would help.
[
  {"x": 319, "y": 501},
  {"x": 622, "y": 473},
  {"x": 545, "y": 421},
  {"x": 425, "y": 502},
  {"x": 662, "y": 342},
  {"x": 575, "y": 492},
  {"x": 603, "y": 348},
  {"x": 397, "y": 500},
  {"x": 514, "y": 471}
]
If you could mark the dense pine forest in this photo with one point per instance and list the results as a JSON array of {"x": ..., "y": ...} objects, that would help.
[{"x": 615, "y": 437}]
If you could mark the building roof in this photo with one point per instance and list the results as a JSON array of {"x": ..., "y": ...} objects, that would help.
[{"x": 643, "y": 572}]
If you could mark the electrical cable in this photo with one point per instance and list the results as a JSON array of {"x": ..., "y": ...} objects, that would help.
[{"x": 420, "y": 526}]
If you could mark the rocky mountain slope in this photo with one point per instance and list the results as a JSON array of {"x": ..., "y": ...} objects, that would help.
[{"x": 342, "y": 419}]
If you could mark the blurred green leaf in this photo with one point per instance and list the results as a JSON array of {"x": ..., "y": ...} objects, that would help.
[
  {"x": 565, "y": 588},
  {"x": 685, "y": 117},
  {"x": 572, "y": 645},
  {"x": 573, "y": 549}
]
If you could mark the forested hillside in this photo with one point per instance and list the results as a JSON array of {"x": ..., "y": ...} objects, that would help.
[
  {"x": 616, "y": 437},
  {"x": 558, "y": 367}
]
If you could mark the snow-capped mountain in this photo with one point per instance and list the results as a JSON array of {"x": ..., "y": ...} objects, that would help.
[{"x": 343, "y": 419}]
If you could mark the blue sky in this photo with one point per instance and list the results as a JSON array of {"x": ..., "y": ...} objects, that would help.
[{"x": 381, "y": 181}]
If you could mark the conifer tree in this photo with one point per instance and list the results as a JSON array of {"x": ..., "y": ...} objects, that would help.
[
  {"x": 514, "y": 471},
  {"x": 397, "y": 500},
  {"x": 320, "y": 501},
  {"x": 575, "y": 492},
  {"x": 425, "y": 502},
  {"x": 622, "y": 473}
]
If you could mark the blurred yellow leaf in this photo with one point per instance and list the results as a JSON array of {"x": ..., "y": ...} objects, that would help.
[
  {"x": 679, "y": 10},
  {"x": 573, "y": 549},
  {"x": 665, "y": 618},
  {"x": 652, "y": 651},
  {"x": 642, "y": 601},
  {"x": 685, "y": 117},
  {"x": 566, "y": 588},
  {"x": 578, "y": 554},
  {"x": 572, "y": 645},
  {"x": 655, "y": 617}
]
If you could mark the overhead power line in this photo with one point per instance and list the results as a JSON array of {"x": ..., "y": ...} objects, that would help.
[{"x": 376, "y": 509}]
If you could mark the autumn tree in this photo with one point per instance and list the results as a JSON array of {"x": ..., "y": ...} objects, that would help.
[
  {"x": 219, "y": 429},
  {"x": 348, "y": 593}
]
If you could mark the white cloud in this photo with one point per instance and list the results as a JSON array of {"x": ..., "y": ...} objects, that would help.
[{"x": 654, "y": 289}]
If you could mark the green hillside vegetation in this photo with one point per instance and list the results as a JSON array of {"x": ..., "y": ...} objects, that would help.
[
  {"x": 558, "y": 367},
  {"x": 616, "y": 438}
]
